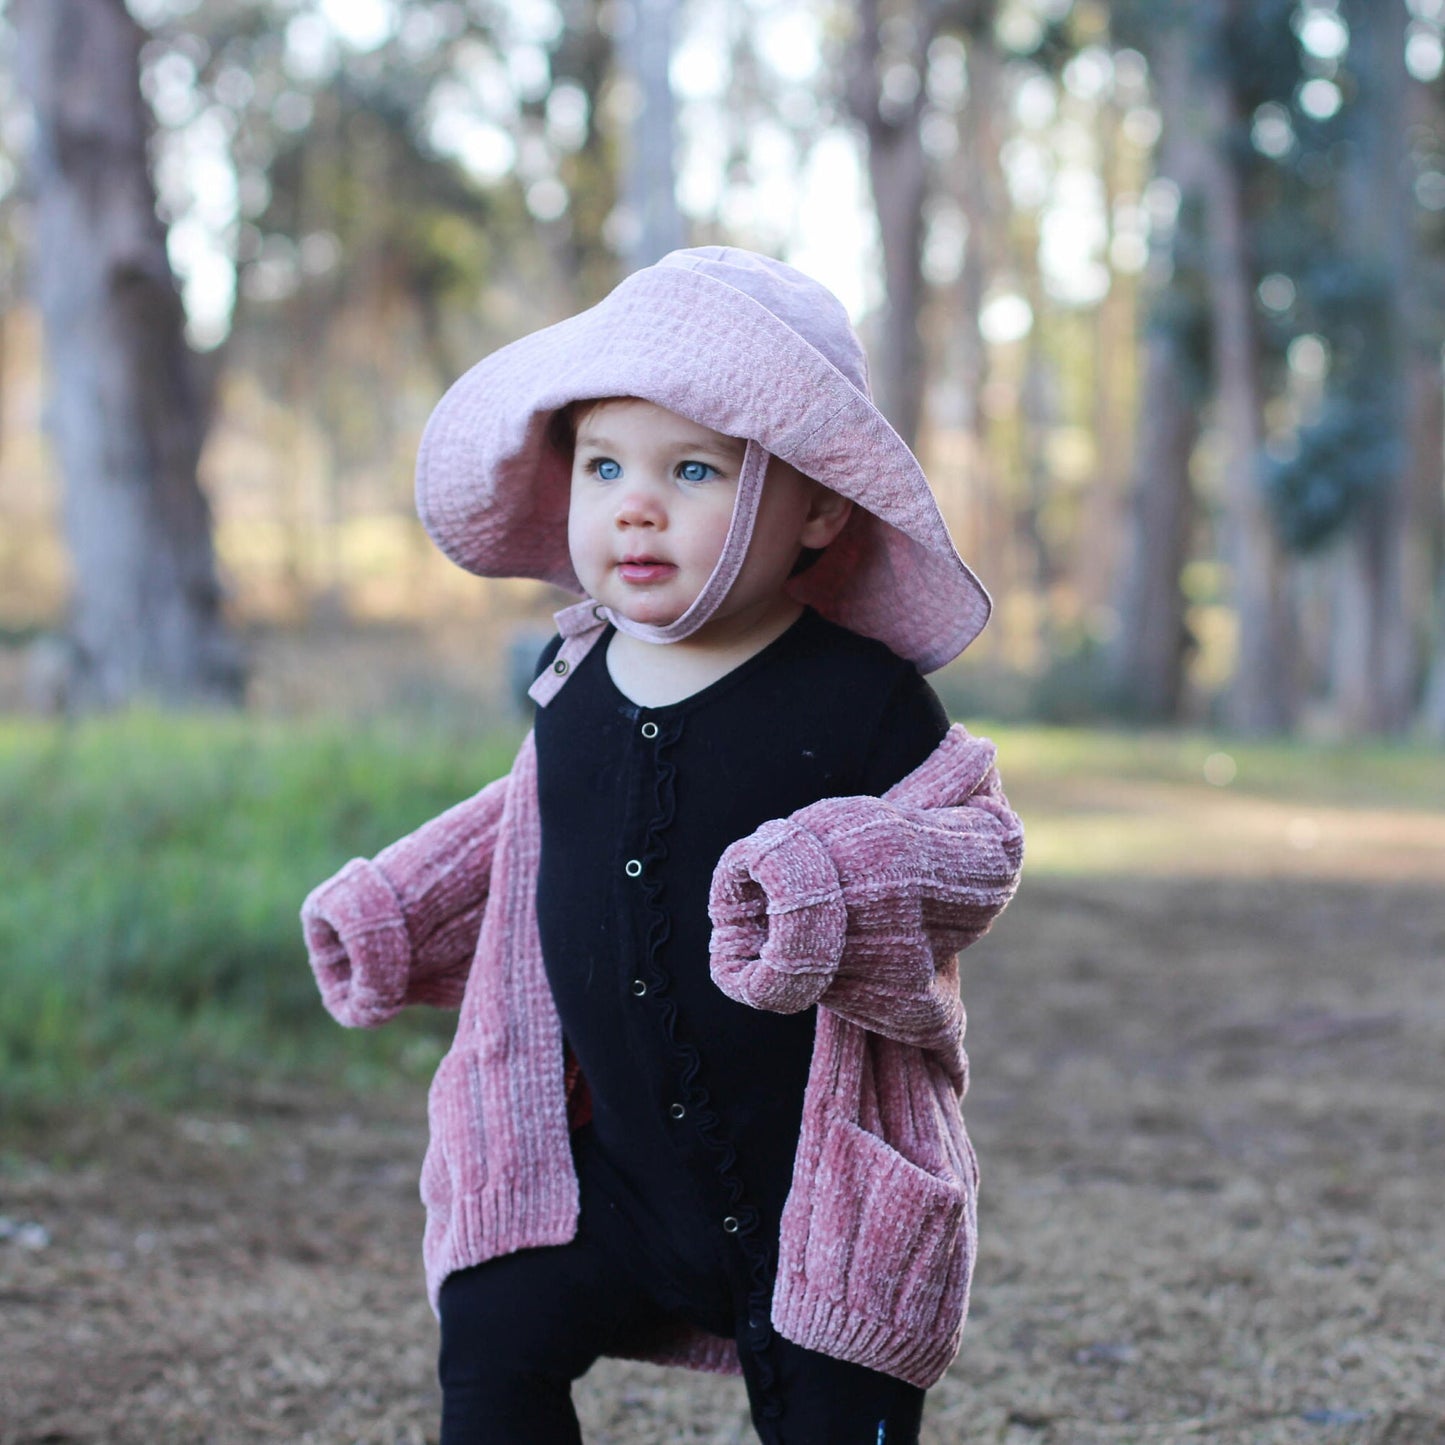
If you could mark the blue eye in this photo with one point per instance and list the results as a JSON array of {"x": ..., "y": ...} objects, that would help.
[
  {"x": 695, "y": 471},
  {"x": 607, "y": 469}
]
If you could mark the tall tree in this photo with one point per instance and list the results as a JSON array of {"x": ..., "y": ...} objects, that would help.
[
  {"x": 983, "y": 195},
  {"x": 1373, "y": 665},
  {"x": 650, "y": 176},
  {"x": 127, "y": 411},
  {"x": 1429, "y": 537},
  {"x": 1262, "y": 697},
  {"x": 1359, "y": 483},
  {"x": 1150, "y": 647},
  {"x": 1149, "y": 650},
  {"x": 1425, "y": 521},
  {"x": 886, "y": 95}
]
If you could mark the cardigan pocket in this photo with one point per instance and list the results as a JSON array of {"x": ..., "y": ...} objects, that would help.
[{"x": 883, "y": 1231}]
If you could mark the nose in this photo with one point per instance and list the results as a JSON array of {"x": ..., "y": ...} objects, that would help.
[{"x": 640, "y": 506}]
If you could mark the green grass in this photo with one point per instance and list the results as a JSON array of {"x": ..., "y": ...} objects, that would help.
[
  {"x": 1376, "y": 774},
  {"x": 1168, "y": 805},
  {"x": 153, "y": 867}
]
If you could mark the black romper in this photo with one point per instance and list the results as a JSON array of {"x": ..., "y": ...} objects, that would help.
[{"x": 696, "y": 1099}]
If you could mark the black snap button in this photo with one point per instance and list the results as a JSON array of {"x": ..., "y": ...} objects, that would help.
[
  {"x": 639, "y": 987},
  {"x": 730, "y": 1225},
  {"x": 649, "y": 730},
  {"x": 633, "y": 868},
  {"x": 600, "y": 612},
  {"x": 559, "y": 667},
  {"x": 676, "y": 1110}
]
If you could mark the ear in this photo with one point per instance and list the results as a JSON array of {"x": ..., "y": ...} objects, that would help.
[{"x": 828, "y": 514}]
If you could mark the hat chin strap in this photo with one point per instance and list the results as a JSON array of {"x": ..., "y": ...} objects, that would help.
[
  {"x": 725, "y": 571},
  {"x": 583, "y": 623}
]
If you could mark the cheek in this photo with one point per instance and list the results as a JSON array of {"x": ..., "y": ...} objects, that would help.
[
  {"x": 710, "y": 527},
  {"x": 581, "y": 525}
]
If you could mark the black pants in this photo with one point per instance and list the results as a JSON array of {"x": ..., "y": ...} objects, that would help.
[{"x": 517, "y": 1331}]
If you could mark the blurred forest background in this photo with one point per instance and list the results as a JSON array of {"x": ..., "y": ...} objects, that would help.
[{"x": 1156, "y": 289}]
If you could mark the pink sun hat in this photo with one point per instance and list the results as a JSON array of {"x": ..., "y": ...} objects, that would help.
[{"x": 749, "y": 347}]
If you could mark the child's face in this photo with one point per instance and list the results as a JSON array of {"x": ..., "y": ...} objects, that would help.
[{"x": 652, "y": 500}]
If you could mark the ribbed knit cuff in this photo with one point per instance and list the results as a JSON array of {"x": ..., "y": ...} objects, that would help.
[
  {"x": 501, "y": 1218},
  {"x": 358, "y": 943},
  {"x": 778, "y": 919},
  {"x": 831, "y": 1327}
]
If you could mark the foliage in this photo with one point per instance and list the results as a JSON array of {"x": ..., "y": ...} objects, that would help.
[
  {"x": 395, "y": 206},
  {"x": 154, "y": 869},
  {"x": 1351, "y": 453},
  {"x": 1353, "y": 450},
  {"x": 1256, "y": 48},
  {"x": 396, "y": 173}
]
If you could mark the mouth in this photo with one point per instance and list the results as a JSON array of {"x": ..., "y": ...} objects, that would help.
[{"x": 645, "y": 569}]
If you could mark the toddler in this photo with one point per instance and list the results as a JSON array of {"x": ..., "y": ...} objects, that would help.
[{"x": 703, "y": 1102}]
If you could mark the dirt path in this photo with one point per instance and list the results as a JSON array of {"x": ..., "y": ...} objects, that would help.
[{"x": 1209, "y": 1116}]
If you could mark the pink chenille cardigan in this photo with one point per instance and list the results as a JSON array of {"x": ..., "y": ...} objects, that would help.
[{"x": 859, "y": 904}]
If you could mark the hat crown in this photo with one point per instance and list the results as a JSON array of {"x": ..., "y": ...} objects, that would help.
[{"x": 802, "y": 304}]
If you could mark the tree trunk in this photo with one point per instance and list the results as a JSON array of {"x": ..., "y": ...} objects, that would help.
[
  {"x": 1426, "y": 533},
  {"x": 983, "y": 194},
  {"x": 126, "y": 410},
  {"x": 1262, "y": 695},
  {"x": 1432, "y": 711},
  {"x": 1149, "y": 649},
  {"x": 584, "y": 55},
  {"x": 1425, "y": 527},
  {"x": 896, "y": 171},
  {"x": 1424, "y": 484},
  {"x": 650, "y": 184},
  {"x": 898, "y": 174},
  {"x": 1150, "y": 646},
  {"x": 1095, "y": 550},
  {"x": 1372, "y": 666},
  {"x": 1374, "y": 669}
]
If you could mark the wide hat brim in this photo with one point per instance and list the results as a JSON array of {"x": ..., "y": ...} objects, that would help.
[{"x": 493, "y": 492}]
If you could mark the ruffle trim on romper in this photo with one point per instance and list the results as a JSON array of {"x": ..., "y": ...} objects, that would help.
[{"x": 695, "y": 1096}]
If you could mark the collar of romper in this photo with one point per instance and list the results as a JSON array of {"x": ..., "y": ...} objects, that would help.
[{"x": 582, "y": 624}]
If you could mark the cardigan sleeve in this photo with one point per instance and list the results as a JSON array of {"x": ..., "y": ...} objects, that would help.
[
  {"x": 401, "y": 928},
  {"x": 862, "y": 904}
]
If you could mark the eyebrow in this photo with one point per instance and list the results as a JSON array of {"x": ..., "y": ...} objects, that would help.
[{"x": 699, "y": 444}]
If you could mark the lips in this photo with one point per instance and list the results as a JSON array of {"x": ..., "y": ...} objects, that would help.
[{"x": 645, "y": 569}]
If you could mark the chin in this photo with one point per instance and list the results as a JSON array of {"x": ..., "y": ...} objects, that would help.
[
  {"x": 647, "y": 607},
  {"x": 651, "y": 616}
]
